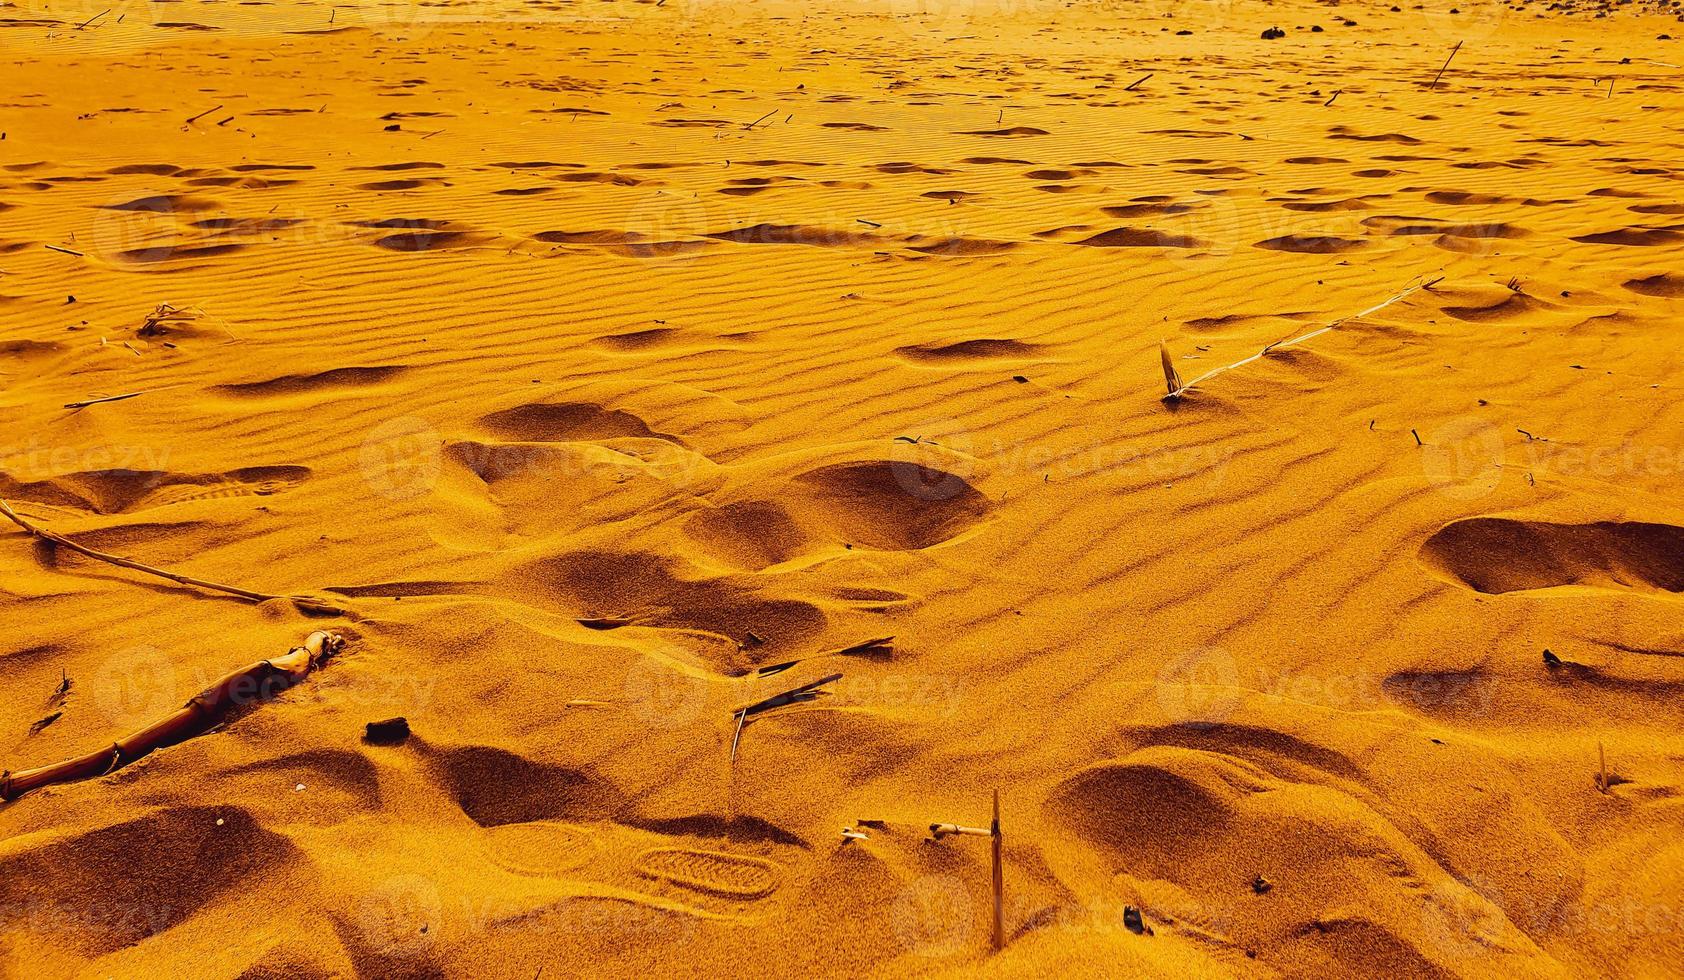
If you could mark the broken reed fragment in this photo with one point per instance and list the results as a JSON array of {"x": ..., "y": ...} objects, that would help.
[
  {"x": 1177, "y": 389},
  {"x": 215, "y": 705},
  {"x": 795, "y": 695}
]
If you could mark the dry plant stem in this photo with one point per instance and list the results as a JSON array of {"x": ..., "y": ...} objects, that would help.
[
  {"x": 1440, "y": 74},
  {"x": 259, "y": 682},
  {"x": 998, "y": 878},
  {"x": 940, "y": 830},
  {"x": 794, "y": 695},
  {"x": 107, "y": 398},
  {"x": 60, "y": 539},
  {"x": 1172, "y": 379},
  {"x": 1169, "y": 369}
]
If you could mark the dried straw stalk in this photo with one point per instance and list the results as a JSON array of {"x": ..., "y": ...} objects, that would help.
[
  {"x": 1178, "y": 389},
  {"x": 200, "y": 583}
]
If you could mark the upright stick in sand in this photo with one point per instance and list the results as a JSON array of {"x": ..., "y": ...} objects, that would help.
[
  {"x": 999, "y": 879},
  {"x": 998, "y": 871}
]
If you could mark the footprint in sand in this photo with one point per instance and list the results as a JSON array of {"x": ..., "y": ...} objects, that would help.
[
  {"x": 540, "y": 847},
  {"x": 122, "y": 491},
  {"x": 718, "y": 873}
]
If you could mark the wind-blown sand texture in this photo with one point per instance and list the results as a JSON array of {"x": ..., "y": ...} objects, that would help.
[{"x": 592, "y": 356}]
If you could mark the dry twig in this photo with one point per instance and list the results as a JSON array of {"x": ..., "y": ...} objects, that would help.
[{"x": 59, "y": 539}]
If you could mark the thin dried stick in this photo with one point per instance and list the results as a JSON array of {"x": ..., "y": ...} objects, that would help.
[
  {"x": 60, "y": 539},
  {"x": 998, "y": 878},
  {"x": 259, "y": 682},
  {"x": 112, "y": 398},
  {"x": 1178, "y": 391},
  {"x": 1440, "y": 74},
  {"x": 795, "y": 695}
]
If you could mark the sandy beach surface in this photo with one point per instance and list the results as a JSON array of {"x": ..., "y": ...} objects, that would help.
[{"x": 599, "y": 369}]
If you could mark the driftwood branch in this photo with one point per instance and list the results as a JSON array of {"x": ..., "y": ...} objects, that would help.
[
  {"x": 252, "y": 685},
  {"x": 180, "y": 579}
]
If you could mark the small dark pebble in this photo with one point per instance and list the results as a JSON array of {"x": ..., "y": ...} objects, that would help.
[
  {"x": 1261, "y": 884},
  {"x": 1133, "y": 921},
  {"x": 1550, "y": 659},
  {"x": 388, "y": 732}
]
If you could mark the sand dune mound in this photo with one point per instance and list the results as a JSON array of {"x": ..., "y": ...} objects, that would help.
[
  {"x": 1271, "y": 862},
  {"x": 969, "y": 350},
  {"x": 218, "y": 851},
  {"x": 495, "y": 787},
  {"x": 1664, "y": 284},
  {"x": 1142, "y": 238},
  {"x": 567, "y": 422},
  {"x": 1496, "y": 554},
  {"x": 894, "y": 505},
  {"x": 646, "y": 590}
]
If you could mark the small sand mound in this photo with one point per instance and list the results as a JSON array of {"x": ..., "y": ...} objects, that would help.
[
  {"x": 214, "y": 852},
  {"x": 969, "y": 350},
  {"x": 1496, "y": 555},
  {"x": 1639, "y": 237},
  {"x": 1664, "y": 284},
  {"x": 1311, "y": 244},
  {"x": 895, "y": 505},
  {"x": 299, "y": 384},
  {"x": 421, "y": 241},
  {"x": 655, "y": 591},
  {"x": 769, "y": 234},
  {"x": 749, "y": 534},
  {"x": 167, "y": 204},
  {"x": 1142, "y": 238},
  {"x": 495, "y": 787},
  {"x": 567, "y": 422}
]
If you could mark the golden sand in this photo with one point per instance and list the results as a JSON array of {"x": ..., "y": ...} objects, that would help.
[{"x": 592, "y": 358}]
